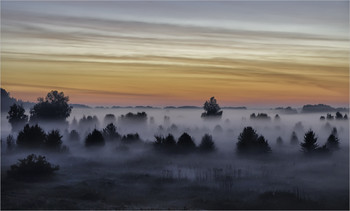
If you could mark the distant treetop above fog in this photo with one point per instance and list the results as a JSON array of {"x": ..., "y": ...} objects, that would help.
[
  {"x": 212, "y": 109},
  {"x": 53, "y": 107},
  {"x": 321, "y": 108}
]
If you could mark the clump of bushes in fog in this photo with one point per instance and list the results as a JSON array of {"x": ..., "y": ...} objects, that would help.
[
  {"x": 34, "y": 137},
  {"x": 185, "y": 144},
  {"x": 131, "y": 138},
  {"x": 260, "y": 116},
  {"x": 139, "y": 117},
  {"x": 32, "y": 168}
]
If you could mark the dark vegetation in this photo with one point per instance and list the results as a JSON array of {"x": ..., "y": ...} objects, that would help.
[
  {"x": 95, "y": 139},
  {"x": 139, "y": 117},
  {"x": 53, "y": 107},
  {"x": 322, "y": 108},
  {"x": 110, "y": 133},
  {"x": 32, "y": 168},
  {"x": 249, "y": 142},
  {"x": 260, "y": 116},
  {"x": 208, "y": 186},
  {"x": 131, "y": 138},
  {"x": 212, "y": 109},
  {"x": 338, "y": 116},
  {"x": 34, "y": 137},
  {"x": 17, "y": 117}
]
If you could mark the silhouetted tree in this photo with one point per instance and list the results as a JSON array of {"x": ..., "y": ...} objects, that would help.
[
  {"x": 131, "y": 138},
  {"x": 330, "y": 116},
  {"x": 322, "y": 118},
  {"x": 212, "y": 108},
  {"x": 309, "y": 145},
  {"x": 109, "y": 118},
  {"x": 207, "y": 144},
  {"x": 139, "y": 117},
  {"x": 10, "y": 141},
  {"x": 277, "y": 117},
  {"x": 170, "y": 141},
  {"x": 110, "y": 133},
  {"x": 53, "y": 141},
  {"x": 74, "y": 136},
  {"x": 279, "y": 141},
  {"x": 32, "y": 168},
  {"x": 88, "y": 122},
  {"x": 335, "y": 132},
  {"x": 294, "y": 139},
  {"x": 218, "y": 129},
  {"x": 345, "y": 116},
  {"x": 31, "y": 137},
  {"x": 168, "y": 144},
  {"x": 338, "y": 115},
  {"x": 299, "y": 126},
  {"x": 332, "y": 142},
  {"x": 260, "y": 116},
  {"x": 186, "y": 143},
  {"x": 53, "y": 107},
  {"x": 74, "y": 124},
  {"x": 94, "y": 139},
  {"x": 17, "y": 117},
  {"x": 250, "y": 143}
]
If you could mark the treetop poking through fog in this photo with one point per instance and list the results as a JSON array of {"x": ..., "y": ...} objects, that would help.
[{"x": 53, "y": 107}]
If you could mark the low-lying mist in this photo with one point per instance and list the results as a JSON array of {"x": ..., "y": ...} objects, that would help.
[{"x": 137, "y": 176}]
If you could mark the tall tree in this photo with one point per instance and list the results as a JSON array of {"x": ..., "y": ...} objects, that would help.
[
  {"x": 53, "y": 107},
  {"x": 16, "y": 116},
  {"x": 310, "y": 142},
  {"x": 249, "y": 142}
]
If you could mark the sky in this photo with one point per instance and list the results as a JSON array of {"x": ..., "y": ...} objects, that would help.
[{"x": 245, "y": 53}]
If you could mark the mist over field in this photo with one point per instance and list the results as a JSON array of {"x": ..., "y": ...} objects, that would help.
[
  {"x": 138, "y": 176},
  {"x": 221, "y": 68}
]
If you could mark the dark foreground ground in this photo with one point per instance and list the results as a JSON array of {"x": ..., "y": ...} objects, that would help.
[{"x": 217, "y": 181}]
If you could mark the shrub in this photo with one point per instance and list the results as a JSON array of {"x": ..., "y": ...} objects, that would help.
[
  {"x": 32, "y": 168},
  {"x": 250, "y": 143},
  {"x": 31, "y": 137},
  {"x": 95, "y": 139},
  {"x": 207, "y": 144}
]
